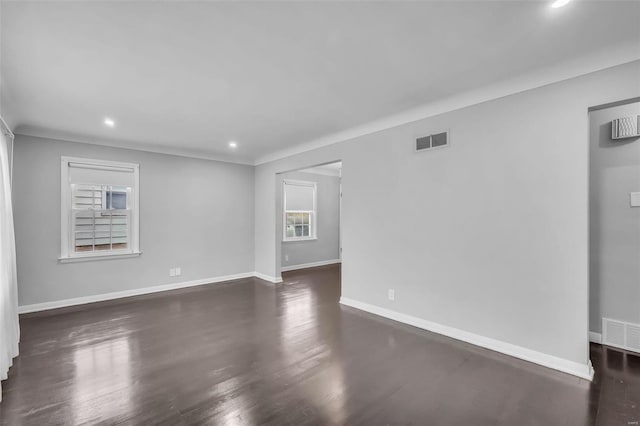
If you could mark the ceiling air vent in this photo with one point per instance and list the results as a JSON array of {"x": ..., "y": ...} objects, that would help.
[
  {"x": 625, "y": 127},
  {"x": 436, "y": 140}
]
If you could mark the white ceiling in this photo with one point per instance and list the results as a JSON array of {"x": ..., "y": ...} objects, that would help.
[{"x": 187, "y": 77}]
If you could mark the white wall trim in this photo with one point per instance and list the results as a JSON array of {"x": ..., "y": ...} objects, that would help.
[
  {"x": 274, "y": 280},
  {"x": 564, "y": 71},
  {"x": 598, "y": 61},
  {"x": 584, "y": 371},
  {"x": 97, "y": 257},
  {"x": 595, "y": 337},
  {"x": 130, "y": 145},
  {"x": 37, "y": 307},
  {"x": 310, "y": 265}
]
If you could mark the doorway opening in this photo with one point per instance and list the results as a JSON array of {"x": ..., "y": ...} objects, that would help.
[
  {"x": 309, "y": 216},
  {"x": 614, "y": 225}
]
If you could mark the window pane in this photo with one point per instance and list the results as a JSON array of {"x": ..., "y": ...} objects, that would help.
[
  {"x": 305, "y": 218},
  {"x": 99, "y": 197},
  {"x": 290, "y": 219},
  {"x": 298, "y": 230},
  {"x": 290, "y": 231},
  {"x": 116, "y": 199},
  {"x": 119, "y": 229},
  {"x": 86, "y": 196},
  {"x": 100, "y": 230},
  {"x": 103, "y": 244},
  {"x": 83, "y": 230},
  {"x": 298, "y": 218},
  {"x": 305, "y": 230}
]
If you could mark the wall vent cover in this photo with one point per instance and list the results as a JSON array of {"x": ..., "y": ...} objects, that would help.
[
  {"x": 633, "y": 337},
  {"x": 613, "y": 332},
  {"x": 436, "y": 140},
  {"x": 620, "y": 334},
  {"x": 625, "y": 127}
]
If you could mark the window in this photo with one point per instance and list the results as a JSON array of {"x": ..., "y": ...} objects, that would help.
[
  {"x": 299, "y": 210},
  {"x": 99, "y": 209}
]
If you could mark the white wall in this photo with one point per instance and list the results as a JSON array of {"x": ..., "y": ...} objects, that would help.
[
  {"x": 195, "y": 214},
  {"x": 327, "y": 245},
  {"x": 488, "y": 236},
  {"x": 2, "y": 87},
  {"x": 614, "y": 225}
]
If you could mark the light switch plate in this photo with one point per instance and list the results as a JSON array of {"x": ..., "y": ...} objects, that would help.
[{"x": 634, "y": 199}]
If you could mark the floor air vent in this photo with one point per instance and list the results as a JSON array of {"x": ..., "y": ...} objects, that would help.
[
  {"x": 633, "y": 337},
  {"x": 621, "y": 334},
  {"x": 437, "y": 140}
]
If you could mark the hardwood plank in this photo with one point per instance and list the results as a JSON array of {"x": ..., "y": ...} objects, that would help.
[{"x": 244, "y": 352}]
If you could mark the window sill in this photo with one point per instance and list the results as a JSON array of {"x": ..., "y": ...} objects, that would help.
[
  {"x": 293, "y": 240},
  {"x": 98, "y": 257}
]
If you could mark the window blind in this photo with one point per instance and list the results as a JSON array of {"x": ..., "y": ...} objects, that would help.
[{"x": 298, "y": 197}]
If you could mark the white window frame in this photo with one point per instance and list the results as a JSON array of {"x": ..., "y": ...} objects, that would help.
[
  {"x": 313, "y": 217},
  {"x": 67, "y": 254}
]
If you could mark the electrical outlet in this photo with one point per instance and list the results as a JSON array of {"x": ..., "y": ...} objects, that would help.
[
  {"x": 172, "y": 272},
  {"x": 286, "y": 257},
  {"x": 178, "y": 271},
  {"x": 391, "y": 293}
]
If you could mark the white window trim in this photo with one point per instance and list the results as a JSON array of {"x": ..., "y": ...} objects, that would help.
[
  {"x": 313, "y": 219},
  {"x": 66, "y": 254}
]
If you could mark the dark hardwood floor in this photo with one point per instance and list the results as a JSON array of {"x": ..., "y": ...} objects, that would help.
[{"x": 246, "y": 352}]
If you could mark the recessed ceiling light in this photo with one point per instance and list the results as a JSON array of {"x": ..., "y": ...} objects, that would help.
[
  {"x": 109, "y": 122},
  {"x": 559, "y": 3},
  {"x": 233, "y": 144}
]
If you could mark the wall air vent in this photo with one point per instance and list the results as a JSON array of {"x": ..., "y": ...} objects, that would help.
[
  {"x": 633, "y": 337},
  {"x": 436, "y": 140},
  {"x": 620, "y": 334},
  {"x": 613, "y": 332},
  {"x": 625, "y": 127}
]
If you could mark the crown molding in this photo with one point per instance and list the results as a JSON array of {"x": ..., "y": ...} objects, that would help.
[
  {"x": 620, "y": 55},
  {"x": 598, "y": 61},
  {"x": 124, "y": 144}
]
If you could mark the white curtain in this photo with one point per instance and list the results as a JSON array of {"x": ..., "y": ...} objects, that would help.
[{"x": 9, "y": 327}]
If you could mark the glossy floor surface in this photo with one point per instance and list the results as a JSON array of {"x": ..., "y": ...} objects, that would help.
[{"x": 246, "y": 352}]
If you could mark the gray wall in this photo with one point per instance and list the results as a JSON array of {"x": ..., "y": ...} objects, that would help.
[
  {"x": 614, "y": 225},
  {"x": 488, "y": 236},
  {"x": 327, "y": 246},
  {"x": 196, "y": 214}
]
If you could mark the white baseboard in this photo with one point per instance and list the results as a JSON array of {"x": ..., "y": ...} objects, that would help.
[
  {"x": 310, "y": 265},
  {"x": 128, "y": 293},
  {"x": 595, "y": 337},
  {"x": 584, "y": 371},
  {"x": 274, "y": 280}
]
